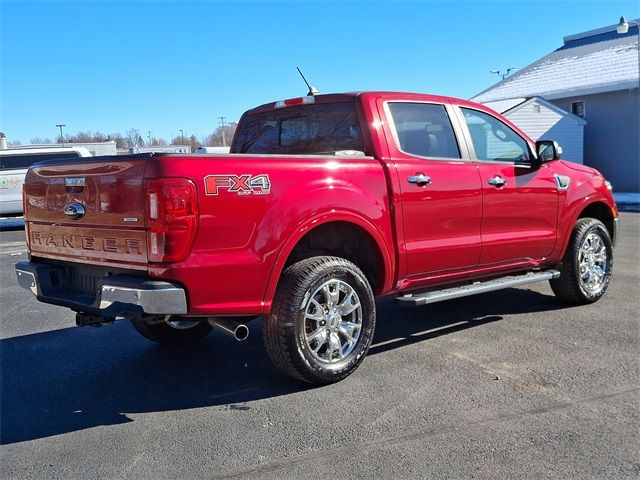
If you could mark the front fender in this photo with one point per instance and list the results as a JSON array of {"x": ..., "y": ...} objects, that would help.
[{"x": 570, "y": 215}]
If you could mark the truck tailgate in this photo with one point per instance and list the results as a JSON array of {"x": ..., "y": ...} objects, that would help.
[{"x": 90, "y": 210}]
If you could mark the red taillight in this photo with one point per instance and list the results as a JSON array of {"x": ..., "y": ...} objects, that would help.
[
  {"x": 172, "y": 218},
  {"x": 26, "y": 223}
]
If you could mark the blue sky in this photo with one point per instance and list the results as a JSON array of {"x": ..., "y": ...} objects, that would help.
[{"x": 169, "y": 65}]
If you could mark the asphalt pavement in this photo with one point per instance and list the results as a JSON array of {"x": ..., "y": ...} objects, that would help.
[{"x": 506, "y": 385}]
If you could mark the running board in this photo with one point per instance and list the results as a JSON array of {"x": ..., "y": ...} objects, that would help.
[{"x": 417, "y": 299}]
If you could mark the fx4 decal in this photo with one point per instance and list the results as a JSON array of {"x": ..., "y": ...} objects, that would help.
[{"x": 238, "y": 184}]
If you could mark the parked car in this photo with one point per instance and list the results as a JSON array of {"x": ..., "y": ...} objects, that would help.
[
  {"x": 14, "y": 163},
  {"x": 324, "y": 203}
]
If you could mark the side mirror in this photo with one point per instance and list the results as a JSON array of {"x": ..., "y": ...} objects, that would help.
[{"x": 548, "y": 150}]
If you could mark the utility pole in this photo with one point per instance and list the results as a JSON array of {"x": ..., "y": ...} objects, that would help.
[
  {"x": 222, "y": 124},
  {"x": 149, "y": 137},
  {"x": 181, "y": 136},
  {"x": 60, "y": 125}
]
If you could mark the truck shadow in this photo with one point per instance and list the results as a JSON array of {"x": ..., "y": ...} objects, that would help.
[{"x": 73, "y": 379}]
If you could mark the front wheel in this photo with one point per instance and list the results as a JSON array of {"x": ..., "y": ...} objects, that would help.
[
  {"x": 322, "y": 321},
  {"x": 587, "y": 264},
  {"x": 172, "y": 330}
]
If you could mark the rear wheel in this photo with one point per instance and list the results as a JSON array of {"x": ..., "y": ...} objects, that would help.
[
  {"x": 322, "y": 321},
  {"x": 172, "y": 330},
  {"x": 587, "y": 264}
]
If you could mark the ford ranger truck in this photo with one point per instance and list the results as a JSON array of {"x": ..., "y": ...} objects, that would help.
[{"x": 324, "y": 203}]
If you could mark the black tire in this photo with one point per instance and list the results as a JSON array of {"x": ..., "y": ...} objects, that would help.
[
  {"x": 166, "y": 333},
  {"x": 572, "y": 286},
  {"x": 287, "y": 328}
]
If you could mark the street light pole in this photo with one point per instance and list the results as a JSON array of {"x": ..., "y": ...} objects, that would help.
[
  {"x": 622, "y": 28},
  {"x": 60, "y": 125},
  {"x": 224, "y": 138}
]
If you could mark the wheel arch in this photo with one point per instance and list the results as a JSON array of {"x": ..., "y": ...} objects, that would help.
[
  {"x": 336, "y": 233},
  {"x": 600, "y": 211},
  {"x": 597, "y": 208}
]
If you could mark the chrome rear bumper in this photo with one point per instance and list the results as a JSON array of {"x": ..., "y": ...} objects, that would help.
[{"x": 116, "y": 295}]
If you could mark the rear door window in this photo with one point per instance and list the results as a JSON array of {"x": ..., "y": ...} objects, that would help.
[{"x": 423, "y": 130}]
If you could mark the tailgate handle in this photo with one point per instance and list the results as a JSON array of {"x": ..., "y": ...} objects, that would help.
[{"x": 74, "y": 182}]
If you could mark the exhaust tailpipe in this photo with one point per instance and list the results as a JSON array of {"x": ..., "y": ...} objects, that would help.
[{"x": 227, "y": 325}]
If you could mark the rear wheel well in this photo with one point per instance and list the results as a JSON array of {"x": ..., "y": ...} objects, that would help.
[
  {"x": 345, "y": 240},
  {"x": 602, "y": 212}
]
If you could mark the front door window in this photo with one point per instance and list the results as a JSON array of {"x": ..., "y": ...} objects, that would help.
[{"x": 493, "y": 140}]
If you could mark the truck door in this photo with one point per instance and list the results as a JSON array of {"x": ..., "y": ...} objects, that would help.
[
  {"x": 520, "y": 198},
  {"x": 439, "y": 187}
]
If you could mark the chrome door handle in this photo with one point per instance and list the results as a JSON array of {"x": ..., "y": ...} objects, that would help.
[
  {"x": 497, "y": 181},
  {"x": 419, "y": 179}
]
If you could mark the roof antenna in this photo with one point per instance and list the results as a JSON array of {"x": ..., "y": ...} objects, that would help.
[{"x": 312, "y": 90}]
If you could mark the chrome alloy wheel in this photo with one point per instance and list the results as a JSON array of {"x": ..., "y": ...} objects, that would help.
[
  {"x": 593, "y": 263},
  {"x": 332, "y": 321}
]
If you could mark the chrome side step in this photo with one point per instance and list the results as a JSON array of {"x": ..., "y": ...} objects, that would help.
[{"x": 417, "y": 299}]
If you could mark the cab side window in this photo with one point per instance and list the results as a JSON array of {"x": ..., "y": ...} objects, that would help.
[
  {"x": 494, "y": 140},
  {"x": 424, "y": 130}
]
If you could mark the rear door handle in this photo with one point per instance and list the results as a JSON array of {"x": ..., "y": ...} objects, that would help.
[
  {"x": 497, "y": 181},
  {"x": 419, "y": 179}
]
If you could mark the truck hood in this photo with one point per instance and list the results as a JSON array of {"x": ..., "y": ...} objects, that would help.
[{"x": 579, "y": 167}]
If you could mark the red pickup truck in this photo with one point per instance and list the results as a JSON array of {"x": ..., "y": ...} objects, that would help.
[{"x": 324, "y": 203}]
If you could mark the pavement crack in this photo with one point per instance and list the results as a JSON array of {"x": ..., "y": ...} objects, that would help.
[{"x": 410, "y": 437}]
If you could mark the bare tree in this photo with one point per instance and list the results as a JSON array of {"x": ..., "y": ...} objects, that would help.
[
  {"x": 192, "y": 141},
  {"x": 14, "y": 142},
  {"x": 40, "y": 141},
  {"x": 157, "y": 142},
  {"x": 216, "y": 139},
  {"x": 133, "y": 138},
  {"x": 121, "y": 142}
]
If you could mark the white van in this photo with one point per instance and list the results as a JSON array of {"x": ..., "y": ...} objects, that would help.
[
  {"x": 221, "y": 150},
  {"x": 14, "y": 163}
]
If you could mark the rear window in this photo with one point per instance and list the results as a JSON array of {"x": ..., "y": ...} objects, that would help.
[
  {"x": 23, "y": 161},
  {"x": 302, "y": 130}
]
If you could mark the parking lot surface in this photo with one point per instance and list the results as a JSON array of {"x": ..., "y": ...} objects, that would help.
[{"x": 510, "y": 384}]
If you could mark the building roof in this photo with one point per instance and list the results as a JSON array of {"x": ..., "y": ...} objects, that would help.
[
  {"x": 505, "y": 107},
  {"x": 590, "y": 62},
  {"x": 502, "y": 106}
]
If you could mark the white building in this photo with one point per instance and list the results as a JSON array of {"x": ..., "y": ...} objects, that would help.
[
  {"x": 593, "y": 75},
  {"x": 542, "y": 120}
]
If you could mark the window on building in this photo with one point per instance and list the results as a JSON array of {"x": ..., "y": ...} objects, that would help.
[{"x": 577, "y": 108}]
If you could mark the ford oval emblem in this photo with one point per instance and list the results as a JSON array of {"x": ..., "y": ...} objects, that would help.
[{"x": 74, "y": 211}]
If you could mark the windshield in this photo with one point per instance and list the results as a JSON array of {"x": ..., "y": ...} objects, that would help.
[{"x": 303, "y": 130}]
